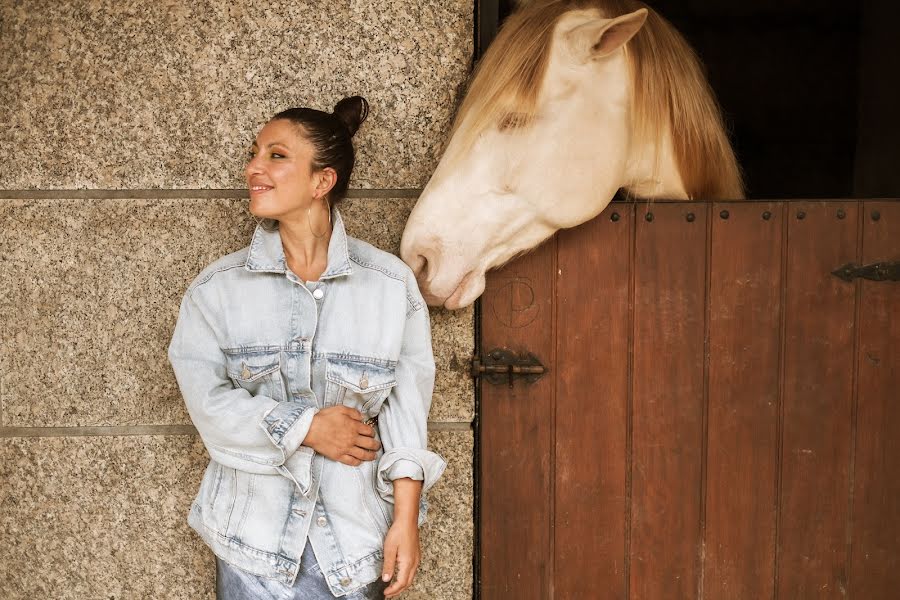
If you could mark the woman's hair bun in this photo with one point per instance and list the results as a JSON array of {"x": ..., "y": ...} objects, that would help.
[{"x": 352, "y": 112}]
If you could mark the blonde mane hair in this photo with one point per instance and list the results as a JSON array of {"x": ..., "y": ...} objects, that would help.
[{"x": 669, "y": 91}]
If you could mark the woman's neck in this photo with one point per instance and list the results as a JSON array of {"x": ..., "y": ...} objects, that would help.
[{"x": 306, "y": 254}]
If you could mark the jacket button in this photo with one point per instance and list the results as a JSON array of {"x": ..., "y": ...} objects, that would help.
[
  {"x": 363, "y": 382},
  {"x": 317, "y": 294},
  {"x": 245, "y": 373},
  {"x": 321, "y": 521},
  {"x": 345, "y": 581}
]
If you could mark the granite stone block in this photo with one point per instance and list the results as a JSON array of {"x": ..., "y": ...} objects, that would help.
[
  {"x": 92, "y": 294},
  {"x": 101, "y": 517},
  {"x": 127, "y": 94},
  {"x": 448, "y": 537},
  {"x": 105, "y": 517}
]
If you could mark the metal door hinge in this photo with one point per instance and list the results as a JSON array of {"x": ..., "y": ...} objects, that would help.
[
  {"x": 882, "y": 271},
  {"x": 500, "y": 366}
]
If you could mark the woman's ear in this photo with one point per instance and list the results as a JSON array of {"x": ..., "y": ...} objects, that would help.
[{"x": 326, "y": 178}]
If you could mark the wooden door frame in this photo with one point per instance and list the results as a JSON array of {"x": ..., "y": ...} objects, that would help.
[{"x": 487, "y": 23}]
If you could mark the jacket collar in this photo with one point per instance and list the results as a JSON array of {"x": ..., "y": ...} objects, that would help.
[{"x": 267, "y": 254}]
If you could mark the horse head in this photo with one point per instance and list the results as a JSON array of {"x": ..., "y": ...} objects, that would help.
[{"x": 572, "y": 101}]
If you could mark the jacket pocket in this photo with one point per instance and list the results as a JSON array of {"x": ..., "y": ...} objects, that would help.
[
  {"x": 358, "y": 384},
  {"x": 257, "y": 371}
]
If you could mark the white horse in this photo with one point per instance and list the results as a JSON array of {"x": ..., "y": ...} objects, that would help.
[{"x": 573, "y": 101}]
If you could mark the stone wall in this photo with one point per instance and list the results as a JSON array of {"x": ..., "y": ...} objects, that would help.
[{"x": 125, "y": 126}]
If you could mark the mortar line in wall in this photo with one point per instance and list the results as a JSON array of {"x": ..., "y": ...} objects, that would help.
[
  {"x": 450, "y": 425},
  {"x": 97, "y": 431},
  {"x": 178, "y": 193},
  {"x": 120, "y": 430}
]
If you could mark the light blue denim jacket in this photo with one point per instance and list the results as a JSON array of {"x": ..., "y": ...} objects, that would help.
[{"x": 257, "y": 352}]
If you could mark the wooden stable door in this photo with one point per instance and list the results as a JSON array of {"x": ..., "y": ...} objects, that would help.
[{"x": 720, "y": 416}]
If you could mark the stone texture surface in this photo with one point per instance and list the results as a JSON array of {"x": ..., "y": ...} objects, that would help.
[
  {"x": 89, "y": 518},
  {"x": 169, "y": 94},
  {"x": 105, "y": 517},
  {"x": 448, "y": 537},
  {"x": 453, "y": 339},
  {"x": 91, "y": 294}
]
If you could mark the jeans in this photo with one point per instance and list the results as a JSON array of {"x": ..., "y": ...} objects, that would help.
[{"x": 234, "y": 584}]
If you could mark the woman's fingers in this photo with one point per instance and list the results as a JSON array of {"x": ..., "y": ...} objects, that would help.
[
  {"x": 366, "y": 430},
  {"x": 406, "y": 569},
  {"x": 345, "y": 438},
  {"x": 361, "y": 453},
  {"x": 351, "y": 412},
  {"x": 368, "y": 443},
  {"x": 390, "y": 560},
  {"x": 410, "y": 573},
  {"x": 365, "y": 449},
  {"x": 339, "y": 433},
  {"x": 349, "y": 460}
]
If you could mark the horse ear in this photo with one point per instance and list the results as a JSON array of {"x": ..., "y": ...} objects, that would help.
[{"x": 601, "y": 37}]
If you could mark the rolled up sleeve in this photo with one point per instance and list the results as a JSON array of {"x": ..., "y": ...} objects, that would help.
[
  {"x": 403, "y": 420},
  {"x": 257, "y": 434}
]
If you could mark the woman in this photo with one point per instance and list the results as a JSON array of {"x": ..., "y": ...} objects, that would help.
[{"x": 305, "y": 363}]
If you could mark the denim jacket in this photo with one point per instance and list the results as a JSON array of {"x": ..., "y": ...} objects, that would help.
[{"x": 257, "y": 352}]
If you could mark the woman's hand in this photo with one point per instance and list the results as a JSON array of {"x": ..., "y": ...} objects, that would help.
[
  {"x": 338, "y": 433},
  {"x": 401, "y": 553},
  {"x": 401, "y": 544}
]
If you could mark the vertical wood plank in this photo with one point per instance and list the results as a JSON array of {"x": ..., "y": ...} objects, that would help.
[
  {"x": 592, "y": 388},
  {"x": 668, "y": 393},
  {"x": 818, "y": 352},
  {"x": 742, "y": 422},
  {"x": 875, "y": 549},
  {"x": 516, "y": 433}
]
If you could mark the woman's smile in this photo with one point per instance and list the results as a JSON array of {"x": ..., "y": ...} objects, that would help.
[{"x": 258, "y": 189}]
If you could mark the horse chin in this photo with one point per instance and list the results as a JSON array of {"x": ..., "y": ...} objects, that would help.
[{"x": 468, "y": 290}]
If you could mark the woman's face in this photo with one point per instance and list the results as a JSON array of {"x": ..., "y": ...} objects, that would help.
[{"x": 279, "y": 172}]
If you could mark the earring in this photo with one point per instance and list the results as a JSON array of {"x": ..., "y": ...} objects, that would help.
[{"x": 309, "y": 218}]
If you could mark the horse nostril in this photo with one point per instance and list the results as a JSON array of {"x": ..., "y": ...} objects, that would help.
[
  {"x": 417, "y": 253},
  {"x": 421, "y": 267}
]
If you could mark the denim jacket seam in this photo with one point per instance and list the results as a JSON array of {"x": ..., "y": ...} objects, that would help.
[
  {"x": 247, "y": 457},
  {"x": 263, "y": 349},
  {"x": 280, "y": 421},
  {"x": 415, "y": 305},
  {"x": 376, "y": 267},
  {"x": 231, "y": 541},
  {"x": 210, "y": 275},
  {"x": 373, "y": 360},
  {"x": 377, "y": 554}
]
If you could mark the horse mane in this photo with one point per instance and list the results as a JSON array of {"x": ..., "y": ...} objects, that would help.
[{"x": 670, "y": 91}]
